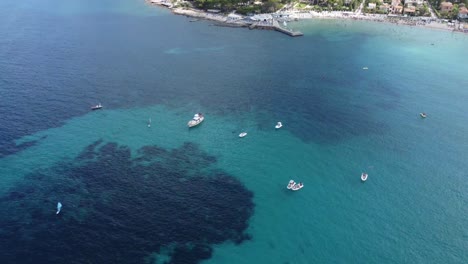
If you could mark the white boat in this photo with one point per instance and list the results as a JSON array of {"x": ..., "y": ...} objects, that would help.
[
  {"x": 96, "y": 107},
  {"x": 197, "y": 119},
  {"x": 297, "y": 186},
  {"x": 364, "y": 176},
  {"x": 278, "y": 125},
  {"x": 423, "y": 115},
  {"x": 59, "y": 207},
  {"x": 365, "y": 68},
  {"x": 149, "y": 122},
  {"x": 291, "y": 184},
  {"x": 243, "y": 134},
  {"x": 285, "y": 24}
]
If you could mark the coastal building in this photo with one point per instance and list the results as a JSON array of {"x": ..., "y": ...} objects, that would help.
[
  {"x": 410, "y": 10},
  {"x": 396, "y": 7},
  {"x": 463, "y": 13},
  {"x": 233, "y": 17},
  {"x": 384, "y": 7},
  {"x": 371, "y": 6},
  {"x": 446, "y": 6},
  {"x": 262, "y": 17},
  {"x": 414, "y": 2}
]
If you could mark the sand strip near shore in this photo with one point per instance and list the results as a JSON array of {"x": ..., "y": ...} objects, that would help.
[{"x": 425, "y": 22}]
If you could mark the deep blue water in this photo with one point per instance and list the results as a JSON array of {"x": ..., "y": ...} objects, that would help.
[
  {"x": 170, "y": 195},
  {"x": 58, "y": 64}
]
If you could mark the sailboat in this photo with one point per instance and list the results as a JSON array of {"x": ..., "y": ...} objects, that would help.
[{"x": 59, "y": 207}]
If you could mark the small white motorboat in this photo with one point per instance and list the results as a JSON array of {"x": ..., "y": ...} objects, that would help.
[
  {"x": 243, "y": 134},
  {"x": 423, "y": 115},
  {"x": 149, "y": 122},
  {"x": 96, "y": 107},
  {"x": 364, "y": 177},
  {"x": 297, "y": 186},
  {"x": 291, "y": 184},
  {"x": 278, "y": 125},
  {"x": 59, "y": 207},
  {"x": 197, "y": 119},
  {"x": 365, "y": 68}
]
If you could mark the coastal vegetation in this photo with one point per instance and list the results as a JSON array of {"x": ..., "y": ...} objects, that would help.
[
  {"x": 442, "y": 8},
  {"x": 405, "y": 7},
  {"x": 448, "y": 9},
  {"x": 269, "y": 6},
  {"x": 335, "y": 5},
  {"x": 241, "y": 6}
]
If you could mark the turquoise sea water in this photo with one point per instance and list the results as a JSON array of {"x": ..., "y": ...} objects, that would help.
[{"x": 132, "y": 194}]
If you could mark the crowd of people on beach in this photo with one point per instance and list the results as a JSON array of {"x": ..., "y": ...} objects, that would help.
[{"x": 288, "y": 15}]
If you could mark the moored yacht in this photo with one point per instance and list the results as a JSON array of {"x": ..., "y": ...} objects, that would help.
[
  {"x": 423, "y": 115},
  {"x": 197, "y": 119},
  {"x": 278, "y": 125},
  {"x": 243, "y": 134}
]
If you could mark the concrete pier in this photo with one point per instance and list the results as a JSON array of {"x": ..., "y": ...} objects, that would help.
[
  {"x": 286, "y": 31},
  {"x": 276, "y": 26}
]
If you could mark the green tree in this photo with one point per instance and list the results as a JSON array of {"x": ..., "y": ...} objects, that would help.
[
  {"x": 270, "y": 6},
  {"x": 454, "y": 12}
]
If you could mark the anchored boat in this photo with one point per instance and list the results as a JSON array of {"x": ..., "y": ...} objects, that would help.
[
  {"x": 423, "y": 115},
  {"x": 96, "y": 107},
  {"x": 243, "y": 134},
  {"x": 278, "y": 125},
  {"x": 297, "y": 186},
  {"x": 364, "y": 177},
  {"x": 196, "y": 120}
]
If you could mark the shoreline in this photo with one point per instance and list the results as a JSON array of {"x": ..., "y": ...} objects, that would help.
[{"x": 271, "y": 21}]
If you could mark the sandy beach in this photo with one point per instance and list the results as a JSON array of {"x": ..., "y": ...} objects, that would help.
[{"x": 270, "y": 20}]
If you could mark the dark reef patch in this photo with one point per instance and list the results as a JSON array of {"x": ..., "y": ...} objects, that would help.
[{"x": 119, "y": 209}]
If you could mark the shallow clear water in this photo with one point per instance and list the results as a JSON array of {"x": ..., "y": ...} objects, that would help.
[{"x": 132, "y": 194}]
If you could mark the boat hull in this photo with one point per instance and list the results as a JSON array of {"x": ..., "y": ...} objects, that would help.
[
  {"x": 193, "y": 123},
  {"x": 364, "y": 177},
  {"x": 297, "y": 187}
]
